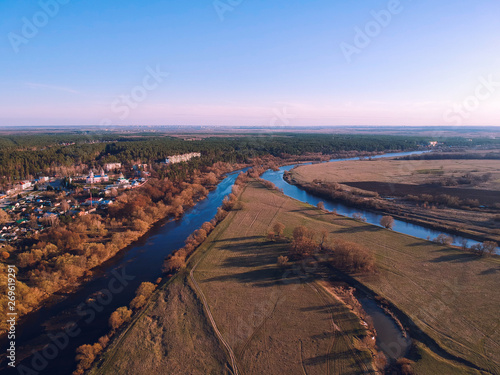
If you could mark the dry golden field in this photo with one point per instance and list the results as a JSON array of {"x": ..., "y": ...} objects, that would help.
[
  {"x": 276, "y": 324},
  {"x": 416, "y": 172},
  {"x": 401, "y": 178},
  {"x": 171, "y": 337}
]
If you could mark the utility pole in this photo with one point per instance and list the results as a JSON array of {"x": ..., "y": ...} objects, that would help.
[{"x": 91, "y": 183}]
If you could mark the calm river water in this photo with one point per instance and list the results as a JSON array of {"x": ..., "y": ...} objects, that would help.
[
  {"x": 276, "y": 177},
  {"x": 113, "y": 285}
]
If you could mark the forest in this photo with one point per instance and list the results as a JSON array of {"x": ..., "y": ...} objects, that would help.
[{"x": 25, "y": 156}]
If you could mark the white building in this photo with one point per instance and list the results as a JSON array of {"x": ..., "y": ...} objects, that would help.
[
  {"x": 23, "y": 185},
  {"x": 122, "y": 181},
  {"x": 180, "y": 158},
  {"x": 96, "y": 179},
  {"x": 112, "y": 166}
]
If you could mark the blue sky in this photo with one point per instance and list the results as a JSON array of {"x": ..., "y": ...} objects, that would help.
[{"x": 255, "y": 62}]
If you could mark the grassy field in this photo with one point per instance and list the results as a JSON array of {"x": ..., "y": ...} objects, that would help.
[
  {"x": 449, "y": 294},
  {"x": 400, "y": 178},
  {"x": 273, "y": 327},
  {"x": 283, "y": 322},
  {"x": 171, "y": 337},
  {"x": 414, "y": 172},
  {"x": 275, "y": 324}
]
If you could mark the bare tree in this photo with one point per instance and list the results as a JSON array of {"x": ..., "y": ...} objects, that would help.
[
  {"x": 358, "y": 216},
  {"x": 278, "y": 229},
  {"x": 65, "y": 206},
  {"x": 324, "y": 237},
  {"x": 4, "y": 217},
  {"x": 387, "y": 222},
  {"x": 465, "y": 244},
  {"x": 173, "y": 263},
  {"x": 443, "y": 239},
  {"x": 120, "y": 316},
  {"x": 489, "y": 247},
  {"x": 485, "y": 248},
  {"x": 282, "y": 261}
]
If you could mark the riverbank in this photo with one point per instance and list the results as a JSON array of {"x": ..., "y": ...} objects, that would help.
[
  {"x": 269, "y": 304},
  {"x": 50, "y": 277},
  {"x": 86, "y": 310},
  {"x": 435, "y": 286},
  {"x": 446, "y": 222},
  {"x": 273, "y": 323},
  {"x": 411, "y": 191}
]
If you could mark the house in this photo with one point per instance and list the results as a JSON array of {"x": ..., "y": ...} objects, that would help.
[
  {"x": 122, "y": 181},
  {"x": 140, "y": 166}
]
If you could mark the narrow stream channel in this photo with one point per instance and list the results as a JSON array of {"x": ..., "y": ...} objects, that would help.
[{"x": 390, "y": 339}]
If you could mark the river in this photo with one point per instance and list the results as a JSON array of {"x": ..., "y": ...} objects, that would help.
[
  {"x": 45, "y": 344},
  {"x": 415, "y": 230},
  {"x": 390, "y": 338}
]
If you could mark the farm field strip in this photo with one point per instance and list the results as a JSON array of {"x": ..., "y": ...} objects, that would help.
[{"x": 260, "y": 299}]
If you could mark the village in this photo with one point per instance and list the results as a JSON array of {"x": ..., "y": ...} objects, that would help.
[{"x": 30, "y": 206}]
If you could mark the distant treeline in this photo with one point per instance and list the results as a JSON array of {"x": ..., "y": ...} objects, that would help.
[
  {"x": 453, "y": 156},
  {"x": 42, "y": 140},
  {"x": 22, "y": 156}
]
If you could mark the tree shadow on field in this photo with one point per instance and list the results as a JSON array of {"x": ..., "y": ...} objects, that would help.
[
  {"x": 305, "y": 209},
  {"x": 359, "y": 229},
  {"x": 320, "y": 359},
  {"x": 260, "y": 277},
  {"x": 339, "y": 312},
  {"x": 455, "y": 258},
  {"x": 262, "y": 258},
  {"x": 238, "y": 239},
  {"x": 422, "y": 243},
  {"x": 335, "y": 334},
  {"x": 490, "y": 271},
  {"x": 253, "y": 254},
  {"x": 267, "y": 277}
]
